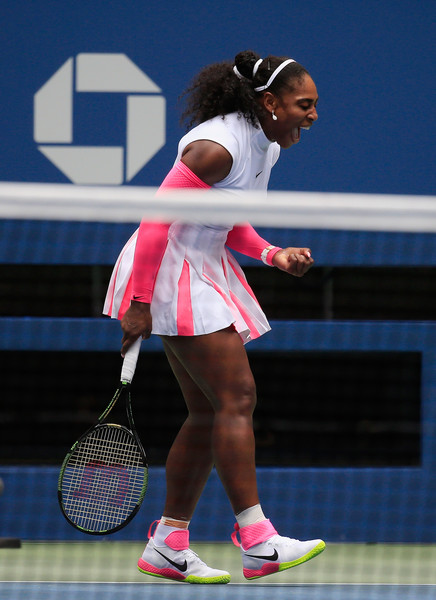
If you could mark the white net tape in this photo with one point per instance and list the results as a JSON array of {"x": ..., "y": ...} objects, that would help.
[{"x": 319, "y": 210}]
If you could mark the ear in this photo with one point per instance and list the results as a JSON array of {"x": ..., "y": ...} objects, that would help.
[{"x": 269, "y": 102}]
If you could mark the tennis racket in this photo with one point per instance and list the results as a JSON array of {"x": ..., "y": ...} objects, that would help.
[{"x": 104, "y": 476}]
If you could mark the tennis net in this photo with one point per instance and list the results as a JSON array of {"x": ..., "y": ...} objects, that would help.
[{"x": 346, "y": 417}]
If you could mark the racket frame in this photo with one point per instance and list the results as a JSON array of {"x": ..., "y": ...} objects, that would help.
[{"x": 123, "y": 389}]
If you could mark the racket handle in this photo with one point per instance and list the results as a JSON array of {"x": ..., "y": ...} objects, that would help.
[{"x": 130, "y": 360}]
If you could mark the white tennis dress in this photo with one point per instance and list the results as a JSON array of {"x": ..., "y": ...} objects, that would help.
[{"x": 200, "y": 288}]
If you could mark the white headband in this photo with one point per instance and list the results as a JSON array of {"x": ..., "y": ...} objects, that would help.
[
  {"x": 237, "y": 73},
  {"x": 273, "y": 74},
  {"x": 240, "y": 76},
  {"x": 256, "y": 66}
]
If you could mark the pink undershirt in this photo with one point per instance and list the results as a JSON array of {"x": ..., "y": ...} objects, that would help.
[{"x": 152, "y": 238}]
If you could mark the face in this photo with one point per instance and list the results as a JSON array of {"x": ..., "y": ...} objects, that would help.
[{"x": 294, "y": 110}]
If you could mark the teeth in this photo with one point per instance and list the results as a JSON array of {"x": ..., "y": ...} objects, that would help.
[{"x": 306, "y": 128}]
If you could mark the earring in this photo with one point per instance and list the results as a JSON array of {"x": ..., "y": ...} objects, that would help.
[{"x": 274, "y": 116}]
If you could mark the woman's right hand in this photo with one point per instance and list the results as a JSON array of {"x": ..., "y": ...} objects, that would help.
[{"x": 135, "y": 322}]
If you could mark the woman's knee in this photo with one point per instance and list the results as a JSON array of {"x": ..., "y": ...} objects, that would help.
[
  {"x": 202, "y": 419},
  {"x": 240, "y": 399}
]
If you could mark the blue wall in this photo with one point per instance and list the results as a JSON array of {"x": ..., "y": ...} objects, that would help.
[
  {"x": 349, "y": 504},
  {"x": 338, "y": 505},
  {"x": 373, "y": 62}
]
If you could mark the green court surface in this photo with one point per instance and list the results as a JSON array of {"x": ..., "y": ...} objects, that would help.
[{"x": 107, "y": 561}]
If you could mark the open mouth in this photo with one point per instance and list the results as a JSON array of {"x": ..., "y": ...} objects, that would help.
[{"x": 295, "y": 135}]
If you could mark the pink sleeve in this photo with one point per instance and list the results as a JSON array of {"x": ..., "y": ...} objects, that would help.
[
  {"x": 243, "y": 238},
  {"x": 152, "y": 236}
]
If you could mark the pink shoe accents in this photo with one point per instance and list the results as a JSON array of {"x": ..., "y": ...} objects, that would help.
[
  {"x": 267, "y": 569},
  {"x": 151, "y": 528},
  {"x": 178, "y": 540},
  {"x": 253, "y": 534},
  {"x": 149, "y": 569}
]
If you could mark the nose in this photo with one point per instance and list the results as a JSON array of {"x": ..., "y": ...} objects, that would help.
[{"x": 313, "y": 115}]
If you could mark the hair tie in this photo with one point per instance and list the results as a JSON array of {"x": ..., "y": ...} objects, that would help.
[{"x": 274, "y": 75}]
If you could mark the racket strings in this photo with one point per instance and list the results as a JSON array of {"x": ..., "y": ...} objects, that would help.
[{"x": 104, "y": 479}]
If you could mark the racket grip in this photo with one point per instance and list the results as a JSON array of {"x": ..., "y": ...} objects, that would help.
[{"x": 130, "y": 360}]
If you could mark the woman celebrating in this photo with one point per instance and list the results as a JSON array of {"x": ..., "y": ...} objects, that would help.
[{"x": 179, "y": 281}]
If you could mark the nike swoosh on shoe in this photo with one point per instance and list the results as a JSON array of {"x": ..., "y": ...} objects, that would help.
[
  {"x": 273, "y": 556},
  {"x": 181, "y": 566}
]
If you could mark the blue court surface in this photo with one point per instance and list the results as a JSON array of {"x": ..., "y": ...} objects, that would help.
[{"x": 252, "y": 591}]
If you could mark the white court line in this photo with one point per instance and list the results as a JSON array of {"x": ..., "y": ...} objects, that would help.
[{"x": 251, "y": 584}]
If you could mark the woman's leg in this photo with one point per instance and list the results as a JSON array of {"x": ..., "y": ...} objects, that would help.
[
  {"x": 189, "y": 463},
  {"x": 190, "y": 459},
  {"x": 218, "y": 386},
  {"x": 213, "y": 367}
]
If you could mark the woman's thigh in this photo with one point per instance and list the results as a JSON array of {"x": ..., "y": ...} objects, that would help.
[
  {"x": 196, "y": 401},
  {"x": 217, "y": 363}
]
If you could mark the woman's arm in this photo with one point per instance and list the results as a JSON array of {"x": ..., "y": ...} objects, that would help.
[
  {"x": 245, "y": 239},
  {"x": 152, "y": 237}
]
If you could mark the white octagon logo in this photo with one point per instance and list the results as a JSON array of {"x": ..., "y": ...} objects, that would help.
[{"x": 145, "y": 119}]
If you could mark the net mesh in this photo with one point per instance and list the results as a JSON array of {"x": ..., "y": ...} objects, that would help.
[{"x": 346, "y": 418}]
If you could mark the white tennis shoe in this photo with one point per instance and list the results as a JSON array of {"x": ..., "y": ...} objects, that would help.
[
  {"x": 278, "y": 554},
  {"x": 265, "y": 552},
  {"x": 171, "y": 558}
]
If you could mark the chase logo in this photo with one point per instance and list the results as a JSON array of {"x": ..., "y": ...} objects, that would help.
[{"x": 142, "y": 118}]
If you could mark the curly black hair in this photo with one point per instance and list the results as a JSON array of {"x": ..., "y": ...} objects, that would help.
[{"x": 218, "y": 90}]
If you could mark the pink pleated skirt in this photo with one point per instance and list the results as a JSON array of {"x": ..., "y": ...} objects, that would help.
[{"x": 200, "y": 287}]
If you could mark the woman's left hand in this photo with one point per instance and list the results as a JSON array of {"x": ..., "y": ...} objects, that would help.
[{"x": 295, "y": 261}]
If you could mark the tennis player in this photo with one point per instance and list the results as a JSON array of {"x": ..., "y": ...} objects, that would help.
[{"x": 180, "y": 281}]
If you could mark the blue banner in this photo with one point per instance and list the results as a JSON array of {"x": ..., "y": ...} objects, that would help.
[{"x": 90, "y": 90}]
